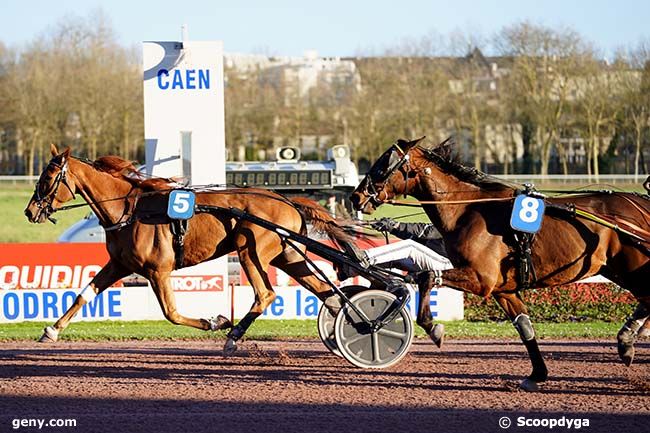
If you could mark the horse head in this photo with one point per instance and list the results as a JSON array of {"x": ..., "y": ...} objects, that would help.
[
  {"x": 48, "y": 194},
  {"x": 391, "y": 175}
]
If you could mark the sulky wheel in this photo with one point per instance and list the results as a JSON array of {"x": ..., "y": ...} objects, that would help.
[
  {"x": 326, "y": 321},
  {"x": 326, "y": 330},
  {"x": 366, "y": 347}
]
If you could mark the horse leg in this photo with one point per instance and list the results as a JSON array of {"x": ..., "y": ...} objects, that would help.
[
  {"x": 254, "y": 264},
  {"x": 161, "y": 285},
  {"x": 295, "y": 266},
  {"x": 628, "y": 334},
  {"x": 518, "y": 314},
  {"x": 465, "y": 279},
  {"x": 436, "y": 331},
  {"x": 108, "y": 275}
]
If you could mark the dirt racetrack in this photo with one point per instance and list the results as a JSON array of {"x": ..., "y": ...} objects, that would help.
[{"x": 297, "y": 386}]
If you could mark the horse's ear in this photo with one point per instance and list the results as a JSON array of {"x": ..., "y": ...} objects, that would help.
[
  {"x": 407, "y": 145},
  {"x": 53, "y": 149},
  {"x": 445, "y": 147},
  {"x": 66, "y": 154},
  {"x": 417, "y": 141}
]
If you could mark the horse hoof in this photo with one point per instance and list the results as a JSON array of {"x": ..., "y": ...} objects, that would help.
[
  {"x": 230, "y": 347},
  {"x": 437, "y": 334},
  {"x": 529, "y": 385},
  {"x": 219, "y": 322},
  {"x": 626, "y": 353},
  {"x": 50, "y": 335}
]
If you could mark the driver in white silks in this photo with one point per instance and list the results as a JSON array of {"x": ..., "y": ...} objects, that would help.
[{"x": 421, "y": 249}]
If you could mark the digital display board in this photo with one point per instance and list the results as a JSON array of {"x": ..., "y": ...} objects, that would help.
[{"x": 280, "y": 179}]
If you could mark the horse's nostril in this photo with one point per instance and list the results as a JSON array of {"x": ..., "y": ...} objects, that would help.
[{"x": 28, "y": 214}]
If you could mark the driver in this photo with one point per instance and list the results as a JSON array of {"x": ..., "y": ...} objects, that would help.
[{"x": 421, "y": 249}]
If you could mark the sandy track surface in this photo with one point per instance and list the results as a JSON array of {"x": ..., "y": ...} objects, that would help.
[{"x": 298, "y": 386}]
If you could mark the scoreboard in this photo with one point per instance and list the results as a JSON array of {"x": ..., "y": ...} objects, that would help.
[
  {"x": 281, "y": 179},
  {"x": 292, "y": 175}
]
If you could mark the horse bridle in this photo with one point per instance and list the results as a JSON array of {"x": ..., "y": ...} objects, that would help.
[
  {"x": 44, "y": 203},
  {"x": 372, "y": 194}
]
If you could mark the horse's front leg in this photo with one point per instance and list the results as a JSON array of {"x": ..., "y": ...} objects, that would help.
[
  {"x": 436, "y": 331},
  {"x": 481, "y": 284},
  {"x": 108, "y": 275},
  {"x": 518, "y": 314},
  {"x": 465, "y": 279}
]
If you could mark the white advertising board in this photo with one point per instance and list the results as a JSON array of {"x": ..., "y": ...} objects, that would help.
[{"x": 139, "y": 303}]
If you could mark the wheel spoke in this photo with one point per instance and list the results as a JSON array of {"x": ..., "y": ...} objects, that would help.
[
  {"x": 375, "y": 347},
  {"x": 353, "y": 340},
  {"x": 389, "y": 333}
]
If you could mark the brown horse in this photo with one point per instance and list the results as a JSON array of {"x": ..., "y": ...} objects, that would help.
[
  {"x": 138, "y": 236},
  {"x": 487, "y": 255}
]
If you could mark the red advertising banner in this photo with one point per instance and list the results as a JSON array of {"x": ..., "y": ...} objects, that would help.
[
  {"x": 50, "y": 266},
  {"x": 73, "y": 265}
]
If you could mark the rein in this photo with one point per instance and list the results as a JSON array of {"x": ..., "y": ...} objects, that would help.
[
  {"x": 207, "y": 188},
  {"x": 418, "y": 203}
]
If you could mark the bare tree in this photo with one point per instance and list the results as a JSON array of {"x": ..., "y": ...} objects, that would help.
[
  {"x": 544, "y": 59},
  {"x": 595, "y": 87},
  {"x": 635, "y": 82}
]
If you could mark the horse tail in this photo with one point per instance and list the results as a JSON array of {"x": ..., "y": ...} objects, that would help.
[
  {"x": 342, "y": 232},
  {"x": 322, "y": 220}
]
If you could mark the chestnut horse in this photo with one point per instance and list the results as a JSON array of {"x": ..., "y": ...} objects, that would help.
[
  {"x": 472, "y": 212},
  {"x": 139, "y": 239}
]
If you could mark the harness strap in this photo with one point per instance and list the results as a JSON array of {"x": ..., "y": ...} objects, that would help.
[
  {"x": 524, "y": 254},
  {"x": 178, "y": 229}
]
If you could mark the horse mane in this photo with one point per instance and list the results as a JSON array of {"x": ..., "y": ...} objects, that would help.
[
  {"x": 444, "y": 157},
  {"x": 122, "y": 169}
]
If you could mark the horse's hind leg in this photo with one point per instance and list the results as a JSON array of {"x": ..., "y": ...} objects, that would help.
[
  {"x": 161, "y": 285},
  {"x": 254, "y": 252},
  {"x": 295, "y": 266},
  {"x": 109, "y": 274},
  {"x": 518, "y": 314},
  {"x": 628, "y": 334}
]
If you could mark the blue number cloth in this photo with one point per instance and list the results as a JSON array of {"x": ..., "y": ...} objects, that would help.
[
  {"x": 527, "y": 214},
  {"x": 181, "y": 204}
]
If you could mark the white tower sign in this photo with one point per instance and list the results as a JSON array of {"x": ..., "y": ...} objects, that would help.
[
  {"x": 185, "y": 129},
  {"x": 183, "y": 110}
]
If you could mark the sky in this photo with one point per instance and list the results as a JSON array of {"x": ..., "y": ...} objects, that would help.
[{"x": 331, "y": 27}]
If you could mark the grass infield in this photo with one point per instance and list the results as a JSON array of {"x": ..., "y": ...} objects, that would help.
[{"x": 286, "y": 329}]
